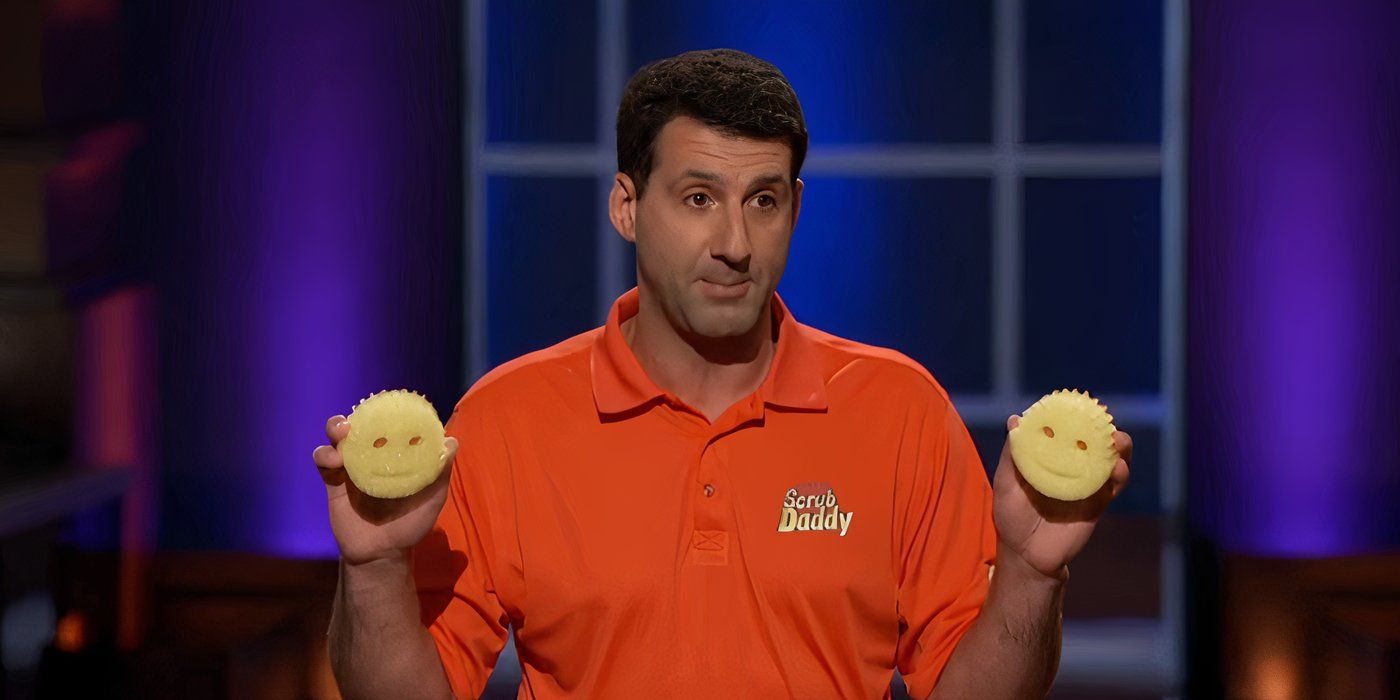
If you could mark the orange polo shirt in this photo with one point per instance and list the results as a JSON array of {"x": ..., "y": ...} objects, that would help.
[{"x": 830, "y": 527}]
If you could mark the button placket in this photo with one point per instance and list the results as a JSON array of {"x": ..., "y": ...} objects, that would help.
[
  {"x": 710, "y": 538},
  {"x": 708, "y": 506}
]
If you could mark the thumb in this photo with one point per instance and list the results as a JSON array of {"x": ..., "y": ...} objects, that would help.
[{"x": 449, "y": 449}]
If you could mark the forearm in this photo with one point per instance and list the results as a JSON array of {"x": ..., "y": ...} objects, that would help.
[
  {"x": 1012, "y": 650},
  {"x": 378, "y": 647}
]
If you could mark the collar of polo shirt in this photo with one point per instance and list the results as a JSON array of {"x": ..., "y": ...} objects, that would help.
[{"x": 620, "y": 384}]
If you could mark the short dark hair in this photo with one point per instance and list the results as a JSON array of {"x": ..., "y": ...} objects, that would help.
[{"x": 737, "y": 93}]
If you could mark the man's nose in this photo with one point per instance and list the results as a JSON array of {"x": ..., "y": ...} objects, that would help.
[{"x": 733, "y": 242}]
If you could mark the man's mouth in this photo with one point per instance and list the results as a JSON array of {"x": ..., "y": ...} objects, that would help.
[{"x": 725, "y": 290}]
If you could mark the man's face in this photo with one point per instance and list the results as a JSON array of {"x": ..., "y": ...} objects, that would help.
[{"x": 713, "y": 227}]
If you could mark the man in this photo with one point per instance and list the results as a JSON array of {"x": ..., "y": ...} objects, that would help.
[{"x": 704, "y": 497}]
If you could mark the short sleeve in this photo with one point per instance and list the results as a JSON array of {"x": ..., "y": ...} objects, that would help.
[
  {"x": 947, "y": 542},
  {"x": 457, "y": 564}
]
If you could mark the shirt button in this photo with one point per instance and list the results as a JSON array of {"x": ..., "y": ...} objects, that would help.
[{"x": 709, "y": 490}]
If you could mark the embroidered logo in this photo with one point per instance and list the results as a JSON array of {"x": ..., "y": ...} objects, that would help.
[{"x": 813, "y": 507}]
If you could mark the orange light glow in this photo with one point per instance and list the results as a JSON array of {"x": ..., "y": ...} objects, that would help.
[{"x": 71, "y": 634}]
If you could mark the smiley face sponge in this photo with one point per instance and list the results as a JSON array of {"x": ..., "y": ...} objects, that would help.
[
  {"x": 395, "y": 445},
  {"x": 1063, "y": 445}
]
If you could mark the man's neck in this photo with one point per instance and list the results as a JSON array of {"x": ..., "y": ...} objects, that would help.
[{"x": 709, "y": 374}]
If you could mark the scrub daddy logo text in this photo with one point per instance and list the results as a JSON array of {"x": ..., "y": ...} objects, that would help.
[{"x": 813, "y": 511}]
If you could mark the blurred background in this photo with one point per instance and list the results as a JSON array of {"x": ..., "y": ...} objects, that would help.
[{"x": 221, "y": 223}]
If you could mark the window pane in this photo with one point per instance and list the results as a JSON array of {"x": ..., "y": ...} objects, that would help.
[
  {"x": 1094, "y": 71},
  {"x": 541, "y": 75},
  {"x": 540, "y": 273},
  {"x": 904, "y": 264},
  {"x": 1091, "y": 298},
  {"x": 864, "y": 72}
]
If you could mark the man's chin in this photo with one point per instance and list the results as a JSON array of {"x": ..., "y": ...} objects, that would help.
[{"x": 722, "y": 320}]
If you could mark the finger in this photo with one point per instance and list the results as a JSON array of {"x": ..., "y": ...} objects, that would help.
[
  {"x": 1124, "y": 444},
  {"x": 327, "y": 457},
  {"x": 1119, "y": 476},
  {"x": 1011, "y": 422},
  {"x": 449, "y": 446},
  {"x": 446, "y": 474},
  {"x": 337, "y": 428},
  {"x": 1005, "y": 458},
  {"x": 330, "y": 464},
  {"x": 335, "y": 477}
]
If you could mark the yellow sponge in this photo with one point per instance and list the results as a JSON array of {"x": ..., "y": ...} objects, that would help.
[
  {"x": 1063, "y": 445},
  {"x": 395, "y": 445}
]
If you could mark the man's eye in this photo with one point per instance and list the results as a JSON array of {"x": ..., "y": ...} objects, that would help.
[
  {"x": 698, "y": 199},
  {"x": 766, "y": 201}
]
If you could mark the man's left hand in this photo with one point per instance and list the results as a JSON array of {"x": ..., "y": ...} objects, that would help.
[{"x": 1045, "y": 532}]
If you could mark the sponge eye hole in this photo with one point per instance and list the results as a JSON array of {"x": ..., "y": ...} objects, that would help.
[
  {"x": 1081, "y": 445},
  {"x": 416, "y": 439},
  {"x": 1048, "y": 432},
  {"x": 381, "y": 442}
]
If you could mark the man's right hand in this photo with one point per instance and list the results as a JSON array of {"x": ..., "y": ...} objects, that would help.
[{"x": 369, "y": 529}]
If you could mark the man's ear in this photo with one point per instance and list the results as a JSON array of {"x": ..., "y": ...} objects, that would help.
[
  {"x": 622, "y": 207},
  {"x": 796, "y": 200}
]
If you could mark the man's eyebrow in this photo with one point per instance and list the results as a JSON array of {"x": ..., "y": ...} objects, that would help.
[
  {"x": 770, "y": 179},
  {"x": 701, "y": 175},
  {"x": 766, "y": 179}
]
